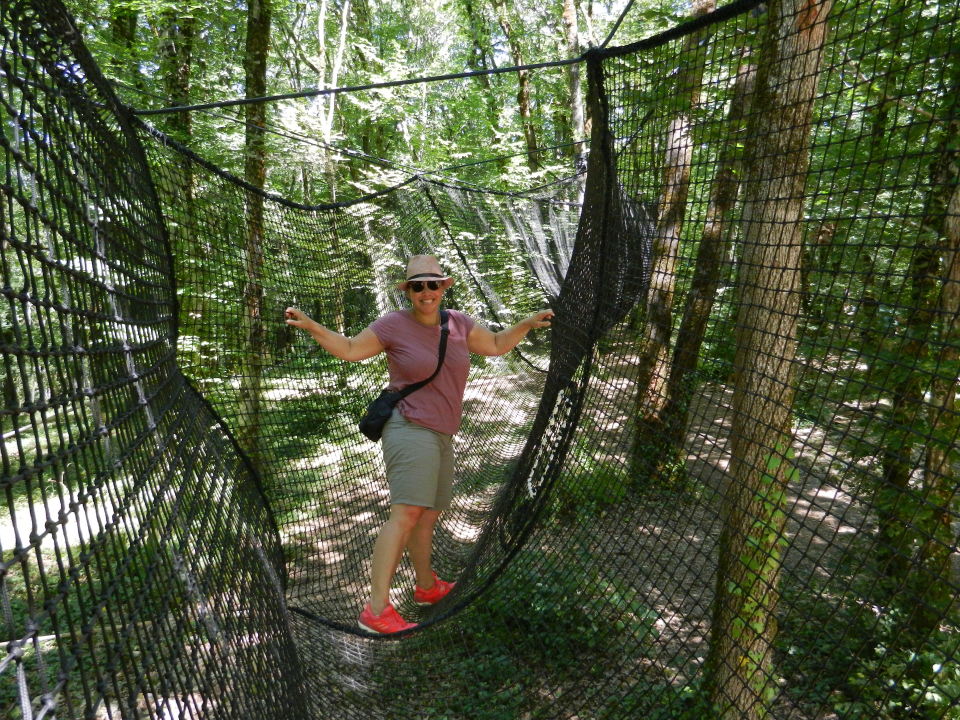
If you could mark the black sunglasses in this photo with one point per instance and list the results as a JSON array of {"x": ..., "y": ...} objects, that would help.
[{"x": 418, "y": 285}]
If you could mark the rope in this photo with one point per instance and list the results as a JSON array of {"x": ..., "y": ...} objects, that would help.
[
  {"x": 616, "y": 25},
  {"x": 358, "y": 88},
  {"x": 442, "y": 172}
]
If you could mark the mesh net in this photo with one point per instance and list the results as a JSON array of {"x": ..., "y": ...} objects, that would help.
[
  {"x": 723, "y": 485},
  {"x": 125, "y": 499}
]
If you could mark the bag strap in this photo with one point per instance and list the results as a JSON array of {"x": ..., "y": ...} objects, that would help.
[{"x": 444, "y": 332}]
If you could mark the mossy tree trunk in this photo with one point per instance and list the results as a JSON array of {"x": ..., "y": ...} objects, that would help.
[
  {"x": 739, "y": 664},
  {"x": 572, "y": 35},
  {"x": 481, "y": 57},
  {"x": 123, "y": 32},
  {"x": 930, "y": 579},
  {"x": 669, "y": 428},
  {"x": 909, "y": 517},
  {"x": 363, "y": 28},
  {"x": 177, "y": 33},
  {"x": 329, "y": 157},
  {"x": 654, "y": 354},
  {"x": 523, "y": 84},
  {"x": 255, "y": 172},
  {"x": 914, "y": 537}
]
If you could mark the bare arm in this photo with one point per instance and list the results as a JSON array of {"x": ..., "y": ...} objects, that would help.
[
  {"x": 483, "y": 342},
  {"x": 363, "y": 346}
]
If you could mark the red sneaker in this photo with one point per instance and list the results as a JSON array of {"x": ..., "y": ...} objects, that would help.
[
  {"x": 389, "y": 621},
  {"x": 435, "y": 594}
]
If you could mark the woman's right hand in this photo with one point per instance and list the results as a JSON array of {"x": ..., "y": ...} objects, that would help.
[{"x": 363, "y": 346}]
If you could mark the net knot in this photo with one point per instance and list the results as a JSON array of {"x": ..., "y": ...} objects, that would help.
[{"x": 15, "y": 649}]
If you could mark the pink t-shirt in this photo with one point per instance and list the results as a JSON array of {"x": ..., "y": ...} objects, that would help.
[{"x": 412, "y": 354}]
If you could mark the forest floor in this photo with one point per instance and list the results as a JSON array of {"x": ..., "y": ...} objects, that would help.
[
  {"x": 664, "y": 548},
  {"x": 675, "y": 543}
]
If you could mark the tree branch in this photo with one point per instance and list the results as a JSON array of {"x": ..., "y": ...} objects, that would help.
[{"x": 888, "y": 98}]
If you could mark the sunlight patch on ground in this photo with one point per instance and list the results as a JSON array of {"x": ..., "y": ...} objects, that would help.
[
  {"x": 475, "y": 501},
  {"x": 465, "y": 533},
  {"x": 319, "y": 461},
  {"x": 506, "y": 444},
  {"x": 176, "y": 707},
  {"x": 490, "y": 393},
  {"x": 95, "y": 515},
  {"x": 833, "y": 494},
  {"x": 328, "y": 556},
  {"x": 723, "y": 463},
  {"x": 369, "y": 485},
  {"x": 514, "y": 414},
  {"x": 809, "y": 512},
  {"x": 288, "y": 393}
]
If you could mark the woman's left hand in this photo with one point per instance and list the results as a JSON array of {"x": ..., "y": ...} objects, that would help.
[
  {"x": 483, "y": 342},
  {"x": 541, "y": 319}
]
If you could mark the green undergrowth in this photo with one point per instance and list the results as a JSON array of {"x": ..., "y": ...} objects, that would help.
[
  {"x": 551, "y": 624},
  {"x": 591, "y": 486},
  {"x": 145, "y": 584},
  {"x": 661, "y": 469},
  {"x": 842, "y": 648},
  {"x": 653, "y": 700},
  {"x": 22, "y": 453}
]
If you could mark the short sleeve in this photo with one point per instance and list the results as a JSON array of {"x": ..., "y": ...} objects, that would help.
[
  {"x": 465, "y": 321},
  {"x": 385, "y": 328}
]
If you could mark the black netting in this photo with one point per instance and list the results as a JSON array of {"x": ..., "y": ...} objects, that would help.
[
  {"x": 723, "y": 485},
  {"x": 125, "y": 498}
]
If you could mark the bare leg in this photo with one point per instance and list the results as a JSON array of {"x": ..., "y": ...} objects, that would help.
[
  {"x": 388, "y": 550},
  {"x": 420, "y": 547}
]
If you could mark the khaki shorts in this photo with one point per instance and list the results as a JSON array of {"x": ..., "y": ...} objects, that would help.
[{"x": 419, "y": 464}]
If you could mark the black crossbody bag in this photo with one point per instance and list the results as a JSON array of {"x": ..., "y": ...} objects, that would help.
[{"x": 380, "y": 410}]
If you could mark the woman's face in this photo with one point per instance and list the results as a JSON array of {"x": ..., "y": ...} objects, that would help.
[{"x": 426, "y": 302}]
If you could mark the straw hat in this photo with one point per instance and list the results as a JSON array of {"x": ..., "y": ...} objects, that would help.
[{"x": 425, "y": 267}]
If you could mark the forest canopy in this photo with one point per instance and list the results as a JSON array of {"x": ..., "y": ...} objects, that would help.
[{"x": 526, "y": 125}]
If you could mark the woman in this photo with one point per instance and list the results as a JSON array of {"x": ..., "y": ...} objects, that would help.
[{"x": 417, "y": 445}]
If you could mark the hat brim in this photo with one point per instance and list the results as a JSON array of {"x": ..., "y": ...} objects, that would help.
[{"x": 447, "y": 282}]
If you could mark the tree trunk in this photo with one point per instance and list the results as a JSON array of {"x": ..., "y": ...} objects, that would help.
[
  {"x": 123, "y": 31},
  {"x": 362, "y": 23},
  {"x": 523, "y": 90},
  {"x": 897, "y": 504},
  {"x": 668, "y": 431},
  {"x": 655, "y": 345},
  {"x": 176, "y": 63},
  {"x": 255, "y": 173},
  {"x": 11, "y": 400},
  {"x": 740, "y": 678},
  {"x": 930, "y": 579},
  {"x": 176, "y": 59},
  {"x": 576, "y": 92},
  {"x": 337, "y": 64},
  {"x": 330, "y": 163},
  {"x": 481, "y": 58},
  {"x": 319, "y": 101},
  {"x": 914, "y": 538}
]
